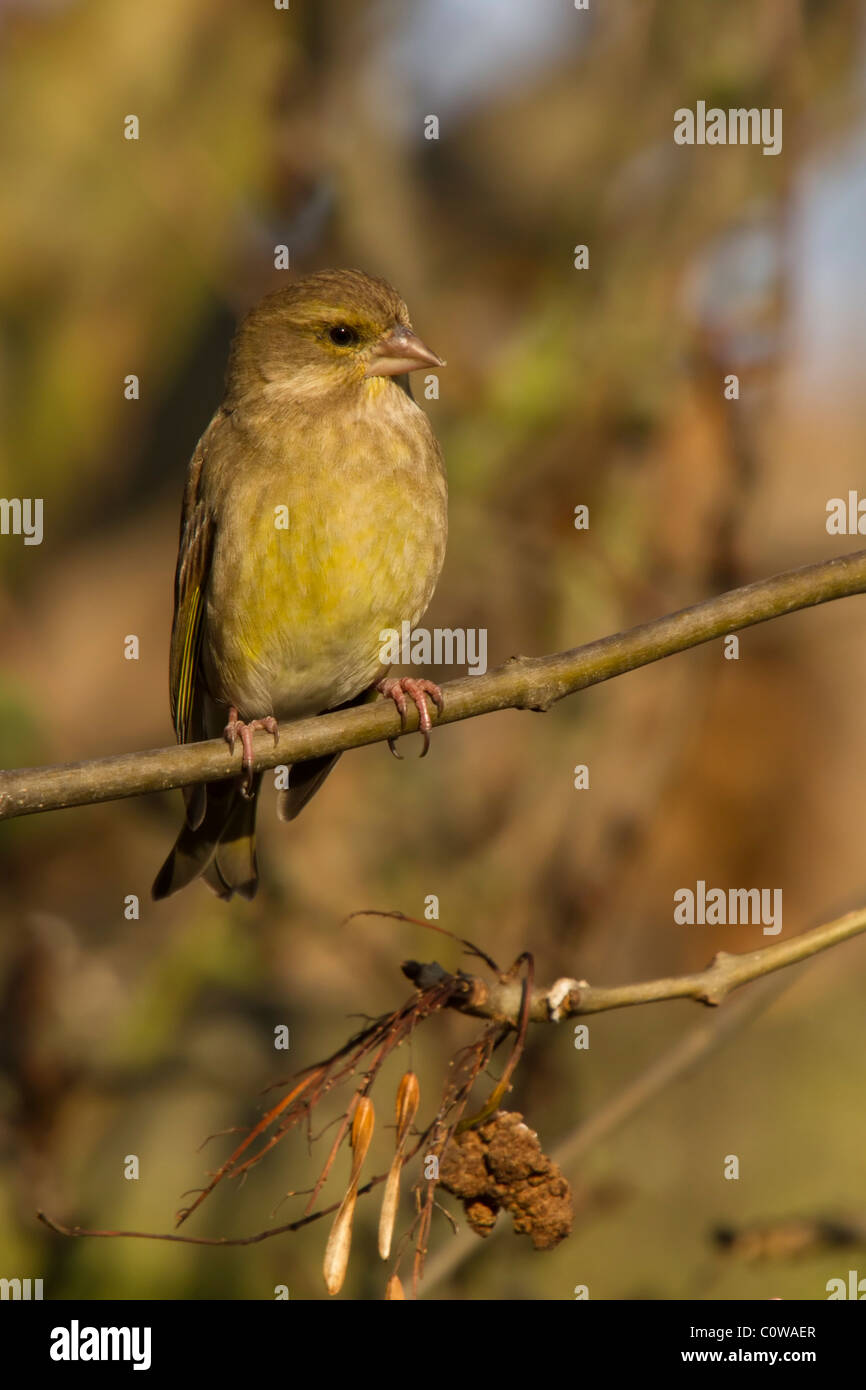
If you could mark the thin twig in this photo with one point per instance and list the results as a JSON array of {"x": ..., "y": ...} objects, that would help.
[{"x": 206, "y": 1240}]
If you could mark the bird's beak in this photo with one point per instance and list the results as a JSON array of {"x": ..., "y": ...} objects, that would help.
[{"x": 398, "y": 351}]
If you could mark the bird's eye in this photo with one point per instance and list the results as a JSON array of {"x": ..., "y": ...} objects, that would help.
[{"x": 342, "y": 335}]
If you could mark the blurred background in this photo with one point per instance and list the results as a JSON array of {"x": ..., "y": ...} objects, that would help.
[{"x": 604, "y": 387}]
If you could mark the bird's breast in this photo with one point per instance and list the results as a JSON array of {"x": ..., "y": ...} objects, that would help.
[{"x": 334, "y": 535}]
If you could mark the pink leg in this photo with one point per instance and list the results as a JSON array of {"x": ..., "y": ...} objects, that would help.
[
  {"x": 396, "y": 688},
  {"x": 240, "y": 729}
]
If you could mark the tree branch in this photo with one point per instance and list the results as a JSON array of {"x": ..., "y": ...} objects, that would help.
[
  {"x": 501, "y": 1000},
  {"x": 533, "y": 683}
]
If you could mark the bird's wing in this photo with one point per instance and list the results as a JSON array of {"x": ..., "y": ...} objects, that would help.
[{"x": 193, "y": 564}]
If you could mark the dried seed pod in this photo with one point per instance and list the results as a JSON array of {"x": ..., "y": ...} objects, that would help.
[
  {"x": 339, "y": 1244},
  {"x": 408, "y": 1099},
  {"x": 362, "y": 1130},
  {"x": 340, "y": 1240},
  {"x": 390, "y": 1202}
]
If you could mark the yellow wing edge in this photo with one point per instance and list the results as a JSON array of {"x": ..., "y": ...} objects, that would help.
[{"x": 185, "y": 696}]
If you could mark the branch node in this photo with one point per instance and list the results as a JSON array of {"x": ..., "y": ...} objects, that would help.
[
  {"x": 564, "y": 997},
  {"x": 721, "y": 958}
]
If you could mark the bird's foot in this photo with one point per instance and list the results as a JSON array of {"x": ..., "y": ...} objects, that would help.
[
  {"x": 243, "y": 729},
  {"x": 396, "y": 688}
]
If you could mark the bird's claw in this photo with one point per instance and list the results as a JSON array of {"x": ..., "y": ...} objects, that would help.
[
  {"x": 396, "y": 688},
  {"x": 243, "y": 729}
]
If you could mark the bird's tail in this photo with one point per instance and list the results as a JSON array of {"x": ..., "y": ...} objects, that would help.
[
  {"x": 220, "y": 846},
  {"x": 304, "y": 781}
]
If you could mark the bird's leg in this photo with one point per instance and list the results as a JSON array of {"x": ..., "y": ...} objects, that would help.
[
  {"x": 243, "y": 729},
  {"x": 396, "y": 688}
]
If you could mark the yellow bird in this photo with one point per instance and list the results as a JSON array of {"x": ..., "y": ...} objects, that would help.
[{"x": 314, "y": 518}]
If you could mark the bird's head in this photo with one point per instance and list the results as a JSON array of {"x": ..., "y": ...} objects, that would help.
[{"x": 332, "y": 331}]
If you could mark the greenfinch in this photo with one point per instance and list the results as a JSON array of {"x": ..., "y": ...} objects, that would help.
[{"x": 314, "y": 518}]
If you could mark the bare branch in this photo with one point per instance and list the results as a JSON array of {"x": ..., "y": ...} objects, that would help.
[
  {"x": 502, "y": 1000},
  {"x": 533, "y": 683}
]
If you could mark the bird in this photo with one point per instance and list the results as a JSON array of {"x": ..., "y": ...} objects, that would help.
[{"x": 314, "y": 518}]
